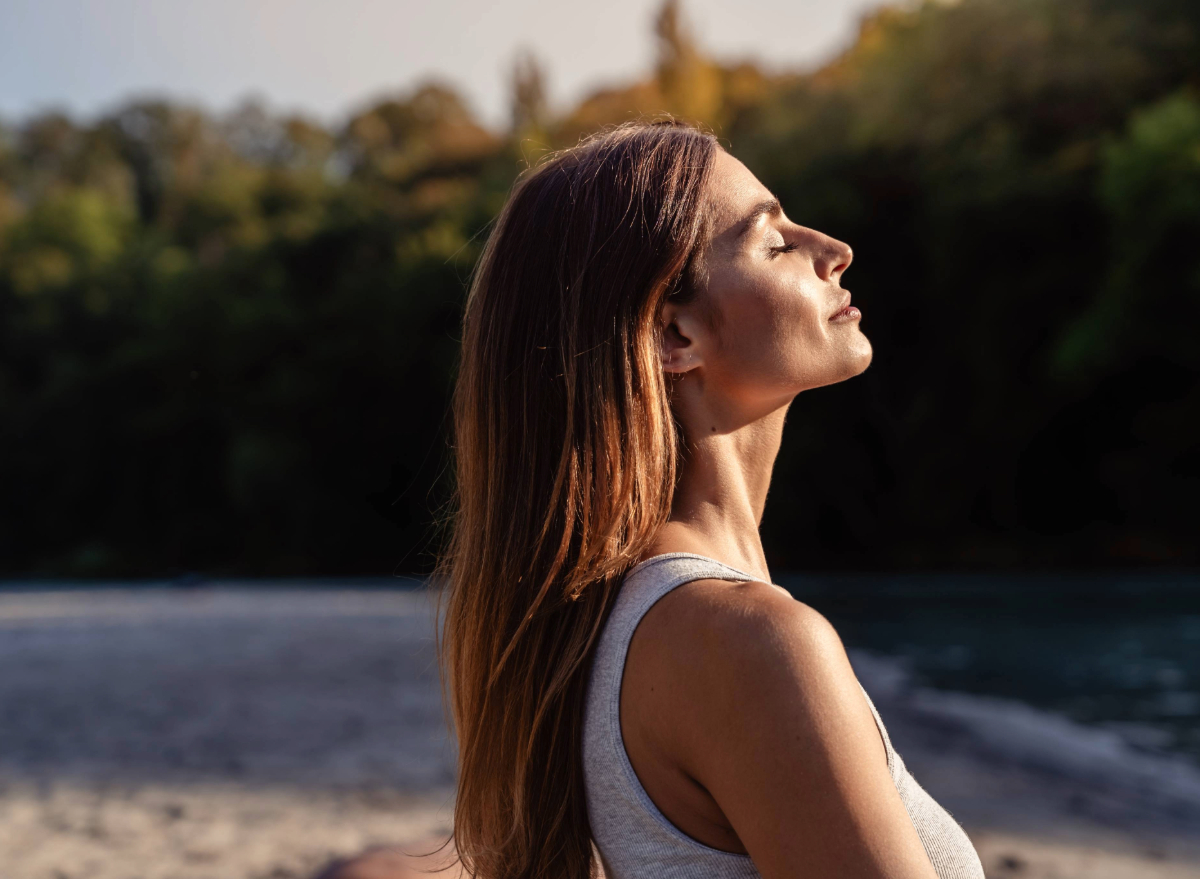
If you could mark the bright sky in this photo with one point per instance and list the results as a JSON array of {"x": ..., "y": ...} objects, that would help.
[{"x": 328, "y": 57}]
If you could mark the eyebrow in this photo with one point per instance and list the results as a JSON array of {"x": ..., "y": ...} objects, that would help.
[{"x": 769, "y": 207}]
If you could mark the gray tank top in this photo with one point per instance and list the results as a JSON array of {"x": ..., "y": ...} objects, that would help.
[{"x": 637, "y": 841}]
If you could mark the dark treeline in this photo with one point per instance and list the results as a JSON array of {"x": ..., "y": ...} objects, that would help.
[{"x": 226, "y": 344}]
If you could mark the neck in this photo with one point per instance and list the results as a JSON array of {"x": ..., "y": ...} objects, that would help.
[{"x": 722, "y": 491}]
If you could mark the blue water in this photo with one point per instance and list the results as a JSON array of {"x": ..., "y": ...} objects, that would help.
[{"x": 1120, "y": 650}]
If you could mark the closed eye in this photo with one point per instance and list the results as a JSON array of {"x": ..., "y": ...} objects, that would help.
[{"x": 786, "y": 248}]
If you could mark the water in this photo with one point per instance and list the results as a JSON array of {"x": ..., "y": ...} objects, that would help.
[{"x": 1121, "y": 650}]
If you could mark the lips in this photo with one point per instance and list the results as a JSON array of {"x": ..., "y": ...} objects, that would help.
[{"x": 843, "y": 308}]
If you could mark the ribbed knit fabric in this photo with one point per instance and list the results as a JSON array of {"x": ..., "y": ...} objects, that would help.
[{"x": 637, "y": 841}]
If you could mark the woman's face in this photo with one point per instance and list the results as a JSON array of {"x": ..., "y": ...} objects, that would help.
[{"x": 771, "y": 319}]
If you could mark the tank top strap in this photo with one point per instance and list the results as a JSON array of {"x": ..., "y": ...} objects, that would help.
[
  {"x": 633, "y": 836},
  {"x": 656, "y": 576}
]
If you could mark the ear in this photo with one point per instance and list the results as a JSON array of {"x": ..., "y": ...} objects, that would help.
[{"x": 681, "y": 338}]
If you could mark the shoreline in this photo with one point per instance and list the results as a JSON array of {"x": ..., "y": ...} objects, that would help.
[{"x": 251, "y": 734}]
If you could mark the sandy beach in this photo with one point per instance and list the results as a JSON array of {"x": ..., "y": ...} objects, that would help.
[{"x": 244, "y": 732}]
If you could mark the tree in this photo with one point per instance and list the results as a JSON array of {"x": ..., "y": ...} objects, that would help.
[
  {"x": 529, "y": 111},
  {"x": 689, "y": 82}
]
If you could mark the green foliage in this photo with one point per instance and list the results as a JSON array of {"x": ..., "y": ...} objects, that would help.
[
  {"x": 71, "y": 235},
  {"x": 965, "y": 150},
  {"x": 227, "y": 344},
  {"x": 1150, "y": 185}
]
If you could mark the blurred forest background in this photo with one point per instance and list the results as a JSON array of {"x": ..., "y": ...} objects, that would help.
[{"x": 227, "y": 343}]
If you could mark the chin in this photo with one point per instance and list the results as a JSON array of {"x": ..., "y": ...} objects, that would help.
[
  {"x": 863, "y": 356},
  {"x": 858, "y": 358}
]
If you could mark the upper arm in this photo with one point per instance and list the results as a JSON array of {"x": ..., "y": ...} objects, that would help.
[{"x": 782, "y": 737}]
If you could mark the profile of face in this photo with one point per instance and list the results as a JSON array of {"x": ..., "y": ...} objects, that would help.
[{"x": 771, "y": 318}]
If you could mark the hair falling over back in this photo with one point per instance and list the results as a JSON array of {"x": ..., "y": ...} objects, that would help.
[{"x": 566, "y": 454}]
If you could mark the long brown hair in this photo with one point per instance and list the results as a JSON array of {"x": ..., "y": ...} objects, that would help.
[{"x": 566, "y": 455}]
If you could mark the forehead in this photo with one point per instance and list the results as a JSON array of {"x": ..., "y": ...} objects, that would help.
[{"x": 733, "y": 192}]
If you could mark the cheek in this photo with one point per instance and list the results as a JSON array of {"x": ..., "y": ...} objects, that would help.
[{"x": 774, "y": 330}]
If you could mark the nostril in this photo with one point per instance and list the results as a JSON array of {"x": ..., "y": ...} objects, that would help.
[
  {"x": 841, "y": 261},
  {"x": 835, "y": 257},
  {"x": 832, "y": 266},
  {"x": 846, "y": 257}
]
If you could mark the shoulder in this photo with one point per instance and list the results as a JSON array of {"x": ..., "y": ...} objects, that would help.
[
  {"x": 755, "y": 700},
  {"x": 736, "y": 629},
  {"x": 724, "y": 665},
  {"x": 732, "y": 661}
]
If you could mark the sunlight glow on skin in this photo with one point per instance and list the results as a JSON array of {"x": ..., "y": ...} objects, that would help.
[{"x": 759, "y": 332}]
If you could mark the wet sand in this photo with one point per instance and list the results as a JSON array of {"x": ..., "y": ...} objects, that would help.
[{"x": 246, "y": 733}]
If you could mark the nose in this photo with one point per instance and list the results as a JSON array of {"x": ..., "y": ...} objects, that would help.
[{"x": 832, "y": 259}]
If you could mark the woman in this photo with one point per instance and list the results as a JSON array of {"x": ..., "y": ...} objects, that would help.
[{"x": 621, "y": 671}]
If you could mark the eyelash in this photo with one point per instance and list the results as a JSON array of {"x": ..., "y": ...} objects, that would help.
[{"x": 787, "y": 248}]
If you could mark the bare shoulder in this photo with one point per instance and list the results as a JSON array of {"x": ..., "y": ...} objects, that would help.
[
  {"x": 726, "y": 660},
  {"x": 755, "y": 699},
  {"x": 732, "y": 628}
]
